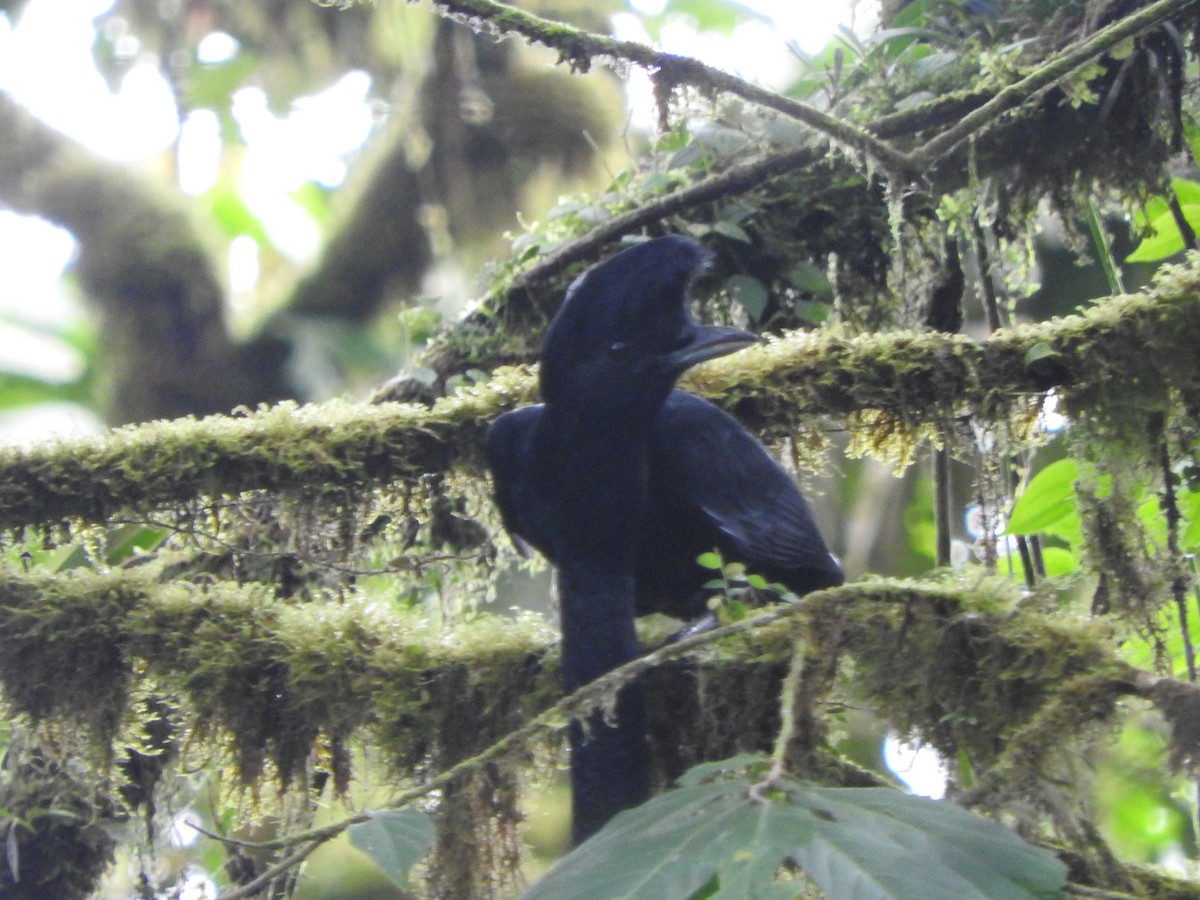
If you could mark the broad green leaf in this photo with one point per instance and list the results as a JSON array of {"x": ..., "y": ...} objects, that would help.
[
  {"x": 395, "y": 840},
  {"x": 1040, "y": 350},
  {"x": 67, "y": 557},
  {"x": 1049, "y": 497},
  {"x": 1147, "y": 213},
  {"x": 1164, "y": 239},
  {"x": 805, "y": 276},
  {"x": 865, "y": 843},
  {"x": 686, "y": 155},
  {"x": 750, "y": 293},
  {"x": 1186, "y": 191},
  {"x": 1189, "y": 505},
  {"x": 1150, "y": 514},
  {"x": 710, "y": 560},
  {"x": 721, "y": 140},
  {"x": 731, "y": 230},
  {"x": 812, "y": 312},
  {"x": 121, "y": 543},
  {"x": 1058, "y": 561},
  {"x": 17, "y": 391}
]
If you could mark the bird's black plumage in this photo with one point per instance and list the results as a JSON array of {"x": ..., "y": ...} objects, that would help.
[{"x": 621, "y": 482}]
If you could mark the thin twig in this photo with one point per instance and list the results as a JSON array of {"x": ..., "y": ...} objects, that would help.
[{"x": 228, "y": 841}]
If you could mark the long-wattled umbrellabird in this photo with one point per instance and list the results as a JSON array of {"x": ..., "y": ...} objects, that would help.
[{"x": 621, "y": 481}]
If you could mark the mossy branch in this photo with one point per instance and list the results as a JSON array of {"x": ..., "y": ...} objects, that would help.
[
  {"x": 1142, "y": 342},
  {"x": 936, "y": 165},
  {"x": 578, "y": 48},
  {"x": 351, "y": 666},
  {"x": 1050, "y": 72}
]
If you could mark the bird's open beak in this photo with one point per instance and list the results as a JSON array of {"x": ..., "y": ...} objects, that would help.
[{"x": 709, "y": 342}]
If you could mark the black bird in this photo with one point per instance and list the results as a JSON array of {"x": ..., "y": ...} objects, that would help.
[{"x": 621, "y": 482}]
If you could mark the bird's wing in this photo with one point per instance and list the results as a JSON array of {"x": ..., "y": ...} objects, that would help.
[
  {"x": 707, "y": 461},
  {"x": 506, "y": 448}
]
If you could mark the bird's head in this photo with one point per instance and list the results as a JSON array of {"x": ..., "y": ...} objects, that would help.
[{"x": 624, "y": 332}]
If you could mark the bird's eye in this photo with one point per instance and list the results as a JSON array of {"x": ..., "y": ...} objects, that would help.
[{"x": 618, "y": 349}]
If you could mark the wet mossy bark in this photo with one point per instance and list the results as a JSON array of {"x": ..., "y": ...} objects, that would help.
[{"x": 893, "y": 385}]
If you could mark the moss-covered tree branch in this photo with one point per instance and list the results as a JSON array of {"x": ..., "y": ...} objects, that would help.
[
  {"x": 578, "y": 48},
  {"x": 1048, "y": 73},
  {"x": 970, "y": 667},
  {"x": 1125, "y": 356}
]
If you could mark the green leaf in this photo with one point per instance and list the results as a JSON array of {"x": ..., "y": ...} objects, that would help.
[
  {"x": 805, "y": 276},
  {"x": 866, "y": 843},
  {"x": 735, "y": 611},
  {"x": 67, "y": 557},
  {"x": 750, "y": 293},
  {"x": 812, "y": 312},
  {"x": 1040, "y": 350},
  {"x": 1049, "y": 497},
  {"x": 395, "y": 840},
  {"x": 1058, "y": 561},
  {"x": 1185, "y": 190},
  {"x": 731, "y": 230},
  {"x": 17, "y": 391},
  {"x": 1189, "y": 504},
  {"x": 123, "y": 542},
  {"x": 1163, "y": 238},
  {"x": 710, "y": 560},
  {"x": 686, "y": 155}
]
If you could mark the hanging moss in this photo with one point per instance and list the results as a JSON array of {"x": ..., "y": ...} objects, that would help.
[
  {"x": 965, "y": 666},
  {"x": 266, "y": 676}
]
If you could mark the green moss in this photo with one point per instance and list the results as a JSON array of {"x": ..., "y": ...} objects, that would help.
[
  {"x": 898, "y": 384},
  {"x": 966, "y": 667},
  {"x": 263, "y": 676}
]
